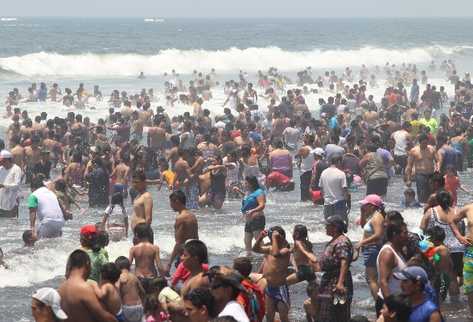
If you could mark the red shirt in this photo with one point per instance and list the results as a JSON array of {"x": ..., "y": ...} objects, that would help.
[{"x": 183, "y": 274}]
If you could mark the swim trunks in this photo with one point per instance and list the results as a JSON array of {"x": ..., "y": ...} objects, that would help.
[
  {"x": 278, "y": 293},
  {"x": 133, "y": 313}
]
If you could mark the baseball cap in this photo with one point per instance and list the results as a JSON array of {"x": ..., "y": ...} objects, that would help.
[
  {"x": 51, "y": 297},
  {"x": 413, "y": 273},
  {"x": 5, "y": 154},
  {"x": 374, "y": 200},
  {"x": 319, "y": 152},
  {"x": 88, "y": 230}
]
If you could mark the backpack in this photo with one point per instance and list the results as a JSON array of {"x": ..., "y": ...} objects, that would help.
[{"x": 252, "y": 301}]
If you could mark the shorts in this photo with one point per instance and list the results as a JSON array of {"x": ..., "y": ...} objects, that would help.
[
  {"x": 255, "y": 224},
  {"x": 50, "y": 229},
  {"x": 133, "y": 313},
  {"x": 457, "y": 261},
  {"x": 370, "y": 255},
  {"x": 305, "y": 273},
  {"x": 337, "y": 209},
  {"x": 278, "y": 294},
  {"x": 377, "y": 186},
  {"x": 468, "y": 270}
]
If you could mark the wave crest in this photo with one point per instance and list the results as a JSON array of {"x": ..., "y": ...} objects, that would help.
[{"x": 229, "y": 60}]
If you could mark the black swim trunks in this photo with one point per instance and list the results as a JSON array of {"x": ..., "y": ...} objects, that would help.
[{"x": 255, "y": 224}]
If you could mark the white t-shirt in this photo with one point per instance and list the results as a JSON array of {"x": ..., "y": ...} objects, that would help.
[
  {"x": 235, "y": 310},
  {"x": 47, "y": 205},
  {"x": 400, "y": 139},
  {"x": 291, "y": 136},
  {"x": 11, "y": 179},
  {"x": 333, "y": 181}
]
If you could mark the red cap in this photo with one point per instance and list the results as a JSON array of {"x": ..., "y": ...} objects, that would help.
[{"x": 88, "y": 230}]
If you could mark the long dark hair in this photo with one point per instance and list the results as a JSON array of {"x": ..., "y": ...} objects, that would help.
[
  {"x": 253, "y": 182},
  {"x": 444, "y": 199}
]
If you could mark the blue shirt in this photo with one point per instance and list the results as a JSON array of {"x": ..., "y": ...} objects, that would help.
[
  {"x": 422, "y": 312},
  {"x": 251, "y": 201}
]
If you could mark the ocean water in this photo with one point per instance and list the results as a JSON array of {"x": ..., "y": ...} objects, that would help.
[{"x": 112, "y": 52}]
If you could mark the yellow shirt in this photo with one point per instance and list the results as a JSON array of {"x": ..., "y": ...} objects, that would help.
[{"x": 169, "y": 176}]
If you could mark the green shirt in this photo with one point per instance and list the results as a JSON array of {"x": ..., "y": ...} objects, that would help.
[
  {"x": 97, "y": 260},
  {"x": 32, "y": 201}
]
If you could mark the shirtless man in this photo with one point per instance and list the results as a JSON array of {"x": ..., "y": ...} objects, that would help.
[
  {"x": 146, "y": 255},
  {"x": 143, "y": 204},
  {"x": 423, "y": 159},
  {"x": 275, "y": 271},
  {"x": 32, "y": 156},
  {"x": 14, "y": 129},
  {"x": 18, "y": 152},
  {"x": 78, "y": 298},
  {"x": 51, "y": 144},
  {"x": 156, "y": 135},
  {"x": 121, "y": 173},
  {"x": 182, "y": 170},
  {"x": 136, "y": 126},
  {"x": 185, "y": 227}
]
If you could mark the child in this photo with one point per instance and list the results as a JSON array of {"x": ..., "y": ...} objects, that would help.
[
  {"x": 303, "y": 257},
  {"x": 117, "y": 225},
  {"x": 408, "y": 200},
  {"x": 131, "y": 292},
  {"x": 90, "y": 244},
  {"x": 107, "y": 291},
  {"x": 28, "y": 239},
  {"x": 452, "y": 183},
  {"x": 439, "y": 256},
  {"x": 167, "y": 175},
  {"x": 167, "y": 297}
]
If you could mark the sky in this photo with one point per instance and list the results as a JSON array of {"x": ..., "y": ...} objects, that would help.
[{"x": 235, "y": 9}]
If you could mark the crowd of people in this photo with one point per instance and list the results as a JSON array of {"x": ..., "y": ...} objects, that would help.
[{"x": 203, "y": 158}]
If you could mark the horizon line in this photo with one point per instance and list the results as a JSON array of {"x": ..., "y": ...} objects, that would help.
[{"x": 241, "y": 17}]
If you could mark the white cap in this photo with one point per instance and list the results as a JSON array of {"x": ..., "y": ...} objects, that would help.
[
  {"x": 319, "y": 152},
  {"x": 4, "y": 154},
  {"x": 51, "y": 297}
]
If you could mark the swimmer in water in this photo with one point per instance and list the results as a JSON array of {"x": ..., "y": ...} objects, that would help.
[{"x": 142, "y": 75}]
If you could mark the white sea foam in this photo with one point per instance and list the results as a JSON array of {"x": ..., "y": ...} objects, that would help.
[{"x": 229, "y": 60}]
